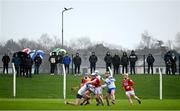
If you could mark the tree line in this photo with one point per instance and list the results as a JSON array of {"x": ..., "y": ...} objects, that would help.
[{"x": 85, "y": 45}]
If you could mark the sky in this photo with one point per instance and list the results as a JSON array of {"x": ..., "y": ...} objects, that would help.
[{"x": 118, "y": 22}]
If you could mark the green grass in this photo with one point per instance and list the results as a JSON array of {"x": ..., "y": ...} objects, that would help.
[
  {"x": 46, "y": 92},
  {"x": 47, "y": 86},
  {"x": 58, "y": 104}
]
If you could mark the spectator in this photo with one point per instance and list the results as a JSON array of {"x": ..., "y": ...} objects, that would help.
[
  {"x": 37, "y": 63},
  {"x": 66, "y": 62},
  {"x": 5, "y": 61},
  {"x": 60, "y": 61},
  {"x": 150, "y": 61},
  {"x": 116, "y": 63},
  {"x": 93, "y": 59},
  {"x": 77, "y": 63},
  {"x": 124, "y": 62},
  {"x": 173, "y": 64},
  {"x": 167, "y": 60},
  {"x": 53, "y": 62},
  {"x": 23, "y": 64},
  {"x": 29, "y": 63},
  {"x": 16, "y": 60},
  {"x": 132, "y": 59},
  {"x": 108, "y": 60}
]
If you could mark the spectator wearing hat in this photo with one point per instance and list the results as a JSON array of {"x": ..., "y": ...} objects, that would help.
[
  {"x": 116, "y": 63},
  {"x": 124, "y": 62},
  {"x": 132, "y": 59},
  {"x": 150, "y": 61},
  {"x": 173, "y": 64},
  {"x": 5, "y": 61},
  {"x": 93, "y": 59},
  {"x": 108, "y": 60},
  {"x": 77, "y": 63},
  {"x": 53, "y": 61},
  {"x": 37, "y": 63},
  {"x": 66, "y": 62}
]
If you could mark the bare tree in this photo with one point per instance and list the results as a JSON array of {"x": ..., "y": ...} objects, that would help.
[
  {"x": 81, "y": 43},
  {"x": 148, "y": 42},
  {"x": 146, "y": 39},
  {"x": 11, "y": 46},
  {"x": 46, "y": 42},
  {"x": 177, "y": 42},
  {"x": 169, "y": 44}
]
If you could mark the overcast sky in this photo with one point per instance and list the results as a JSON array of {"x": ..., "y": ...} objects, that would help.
[{"x": 119, "y": 22}]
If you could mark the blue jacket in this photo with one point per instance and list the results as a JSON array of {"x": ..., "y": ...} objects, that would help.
[
  {"x": 16, "y": 61},
  {"x": 66, "y": 60}
]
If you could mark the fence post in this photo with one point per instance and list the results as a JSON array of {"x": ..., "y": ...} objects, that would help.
[
  {"x": 144, "y": 64},
  {"x": 72, "y": 64}
]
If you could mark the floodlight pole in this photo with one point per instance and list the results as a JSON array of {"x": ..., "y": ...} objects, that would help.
[{"x": 65, "y": 9}]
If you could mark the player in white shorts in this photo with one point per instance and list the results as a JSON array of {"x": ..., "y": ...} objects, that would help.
[
  {"x": 96, "y": 81},
  {"x": 81, "y": 94},
  {"x": 127, "y": 84},
  {"x": 110, "y": 83}
]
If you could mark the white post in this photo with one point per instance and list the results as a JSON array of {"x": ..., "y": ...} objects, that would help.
[
  {"x": 64, "y": 82},
  {"x": 110, "y": 71},
  {"x": 14, "y": 80},
  {"x": 160, "y": 84}
]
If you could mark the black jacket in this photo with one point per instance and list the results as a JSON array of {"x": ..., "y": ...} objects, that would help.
[
  {"x": 167, "y": 57},
  {"x": 77, "y": 60},
  {"x": 116, "y": 60},
  {"x": 108, "y": 59},
  {"x": 173, "y": 61},
  {"x": 124, "y": 60},
  {"x": 37, "y": 60},
  {"x": 53, "y": 59},
  {"x": 29, "y": 62},
  {"x": 150, "y": 59},
  {"x": 133, "y": 58},
  {"x": 5, "y": 59},
  {"x": 93, "y": 59}
]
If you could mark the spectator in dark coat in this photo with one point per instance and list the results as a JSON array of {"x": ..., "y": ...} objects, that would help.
[
  {"x": 66, "y": 62},
  {"x": 29, "y": 63},
  {"x": 53, "y": 61},
  {"x": 150, "y": 61},
  {"x": 16, "y": 60},
  {"x": 173, "y": 64},
  {"x": 167, "y": 60},
  {"x": 93, "y": 59},
  {"x": 77, "y": 63},
  {"x": 116, "y": 63},
  {"x": 124, "y": 62},
  {"x": 60, "y": 61},
  {"x": 108, "y": 60},
  {"x": 37, "y": 63},
  {"x": 22, "y": 65},
  {"x": 132, "y": 59},
  {"x": 5, "y": 61}
]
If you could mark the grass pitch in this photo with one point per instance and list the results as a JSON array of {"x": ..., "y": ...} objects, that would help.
[
  {"x": 58, "y": 104},
  {"x": 46, "y": 92}
]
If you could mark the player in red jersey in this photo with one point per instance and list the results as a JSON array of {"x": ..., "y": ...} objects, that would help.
[
  {"x": 96, "y": 81},
  {"x": 127, "y": 84}
]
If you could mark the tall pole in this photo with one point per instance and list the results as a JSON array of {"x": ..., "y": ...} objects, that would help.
[
  {"x": 65, "y": 9},
  {"x": 62, "y": 28}
]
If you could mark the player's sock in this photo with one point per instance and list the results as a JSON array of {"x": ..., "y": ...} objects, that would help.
[
  {"x": 139, "y": 101},
  {"x": 87, "y": 103},
  {"x": 101, "y": 100},
  {"x": 97, "y": 100},
  {"x": 107, "y": 100},
  {"x": 113, "y": 102}
]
